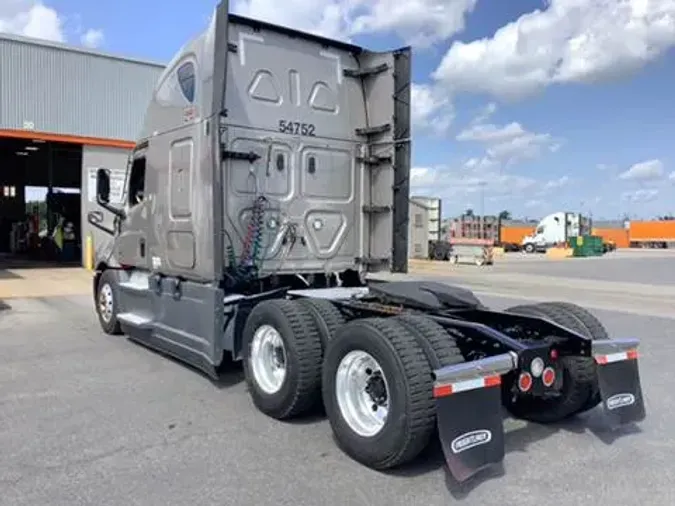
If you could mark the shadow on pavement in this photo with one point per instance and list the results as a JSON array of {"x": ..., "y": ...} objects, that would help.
[{"x": 516, "y": 440}]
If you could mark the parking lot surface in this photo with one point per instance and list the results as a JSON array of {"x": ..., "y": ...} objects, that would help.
[{"x": 90, "y": 419}]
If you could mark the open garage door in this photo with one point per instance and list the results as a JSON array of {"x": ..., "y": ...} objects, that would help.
[
  {"x": 40, "y": 181},
  {"x": 30, "y": 164}
]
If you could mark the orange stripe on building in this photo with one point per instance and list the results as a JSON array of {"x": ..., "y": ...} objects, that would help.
[{"x": 72, "y": 139}]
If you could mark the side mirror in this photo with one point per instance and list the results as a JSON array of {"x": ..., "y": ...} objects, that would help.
[{"x": 103, "y": 185}]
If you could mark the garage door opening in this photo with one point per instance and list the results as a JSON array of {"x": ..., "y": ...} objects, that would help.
[{"x": 40, "y": 203}]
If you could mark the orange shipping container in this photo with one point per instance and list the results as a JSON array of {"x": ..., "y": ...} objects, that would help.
[
  {"x": 514, "y": 235},
  {"x": 656, "y": 231},
  {"x": 617, "y": 235}
]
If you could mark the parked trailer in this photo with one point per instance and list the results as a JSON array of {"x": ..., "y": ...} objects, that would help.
[
  {"x": 475, "y": 251},
  {"x": 251, "y": 223}
]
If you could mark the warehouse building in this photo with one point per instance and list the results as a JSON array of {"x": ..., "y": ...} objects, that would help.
[{"x": 64, "y": 112}]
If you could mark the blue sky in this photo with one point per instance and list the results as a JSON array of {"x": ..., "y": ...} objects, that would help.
[{"x": 532, "y": 106}]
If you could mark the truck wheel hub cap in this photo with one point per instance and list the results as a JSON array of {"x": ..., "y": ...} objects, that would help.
[
  {"x": 362, "y": 393},
  {"x": 106, "y": 302},
  {"x": 268, "y": 359}
]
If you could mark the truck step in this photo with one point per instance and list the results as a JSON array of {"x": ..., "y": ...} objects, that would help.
[
  {"x": 135, "y": 320},
  {"x": 136, "y": 284}
]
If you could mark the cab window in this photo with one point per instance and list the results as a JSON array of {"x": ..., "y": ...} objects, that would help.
[
  {"x": 186, "y": 80},
  {"x": 540, "y": 230},
  {"x": 137, "y": 181}
]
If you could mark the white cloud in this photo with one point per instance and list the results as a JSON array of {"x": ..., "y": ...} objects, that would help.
[
  {"x": 472, "y": 178},
  {"x": 485, "y": 114},
  {"x": 33, "y": 18},
  {"x": 672, "y": 176},
  {"x": 510, "y": 143},
  {"x": 418, "y": 22},
  {"x": 528, "y": 146},
  {"x": 571, "y": 41},
  {"x": 430, "y": 108},
  {"x": 491, "y": 133},
  {"x": 640, "y": 196},
  {"x": 92, "y": 38},
  {"x": 555, "y": 184},
  {"x": 644, "y": 171}
]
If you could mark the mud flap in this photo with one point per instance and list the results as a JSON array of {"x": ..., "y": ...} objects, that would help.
[
  {"x": 469, "y": 414},
  {"x": 619, "y": 381}
]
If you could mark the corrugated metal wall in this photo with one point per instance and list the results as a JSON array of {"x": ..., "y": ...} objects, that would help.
[
  {"x": 434, "y": 215},
  {"x": 56, "y": 89},
  {"x": 418, "y": 231}
]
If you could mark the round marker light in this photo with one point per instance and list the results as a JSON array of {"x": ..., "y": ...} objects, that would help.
[
  {"x": 272, "y": 223},
  {"x": 524, "y": 381},
  {"x": 548, "y": 377},
  {"x": 537, "y": 367},
  {"x": 318, "y": 224}
]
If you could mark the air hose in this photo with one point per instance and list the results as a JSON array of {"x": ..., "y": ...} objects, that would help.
[{"x": 252, "y": 243}]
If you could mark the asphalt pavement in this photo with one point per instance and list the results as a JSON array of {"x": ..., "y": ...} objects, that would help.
[
  {"x": 90, "y": 419},
  {"x": 655, "y": 267}
]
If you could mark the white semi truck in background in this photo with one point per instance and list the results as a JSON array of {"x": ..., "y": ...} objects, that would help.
[{"x": 556, "y": 228}]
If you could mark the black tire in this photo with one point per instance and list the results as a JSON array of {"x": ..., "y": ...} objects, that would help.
[
  {"x": 301, "y": 389},
  {"x": 411, "y": 419},
  {"x": 591, "y": 327},
  {"x": 326, "y": 317},
  {"x": 439, "y": 346},
  {"x": 109, "y": 324},
  {"x": 578, "y": 382},
  {"x": 529, "y": 248},
  {"x": 595, "y": 329}
]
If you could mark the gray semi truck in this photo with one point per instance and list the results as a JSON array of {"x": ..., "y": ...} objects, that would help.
[{"x": 267, "y": 188}]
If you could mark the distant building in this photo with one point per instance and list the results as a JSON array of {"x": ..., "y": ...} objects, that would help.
[
  {"x": 433, "y": 204},
  {"x": 474, "y": 227},
  {"x": 418, "y": 230}
]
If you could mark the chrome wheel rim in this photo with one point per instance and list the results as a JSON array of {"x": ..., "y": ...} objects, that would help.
[
  {"x": 106, "y": 302},
  {"x": 362, "y": 393},
  {"x": 268, "y": 359}
]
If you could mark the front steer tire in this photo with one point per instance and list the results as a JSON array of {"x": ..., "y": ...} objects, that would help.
[
  {"x": 411, "y": 417},
  {"x": 301, "y": 388},
  {"x": 108, "y": 289}
]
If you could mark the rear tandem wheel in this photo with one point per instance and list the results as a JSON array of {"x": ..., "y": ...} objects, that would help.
[
  {"x": 579, "y": 391},
  {"x": 378, "y": 389},
  {"x": 282, "y": 358}
]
